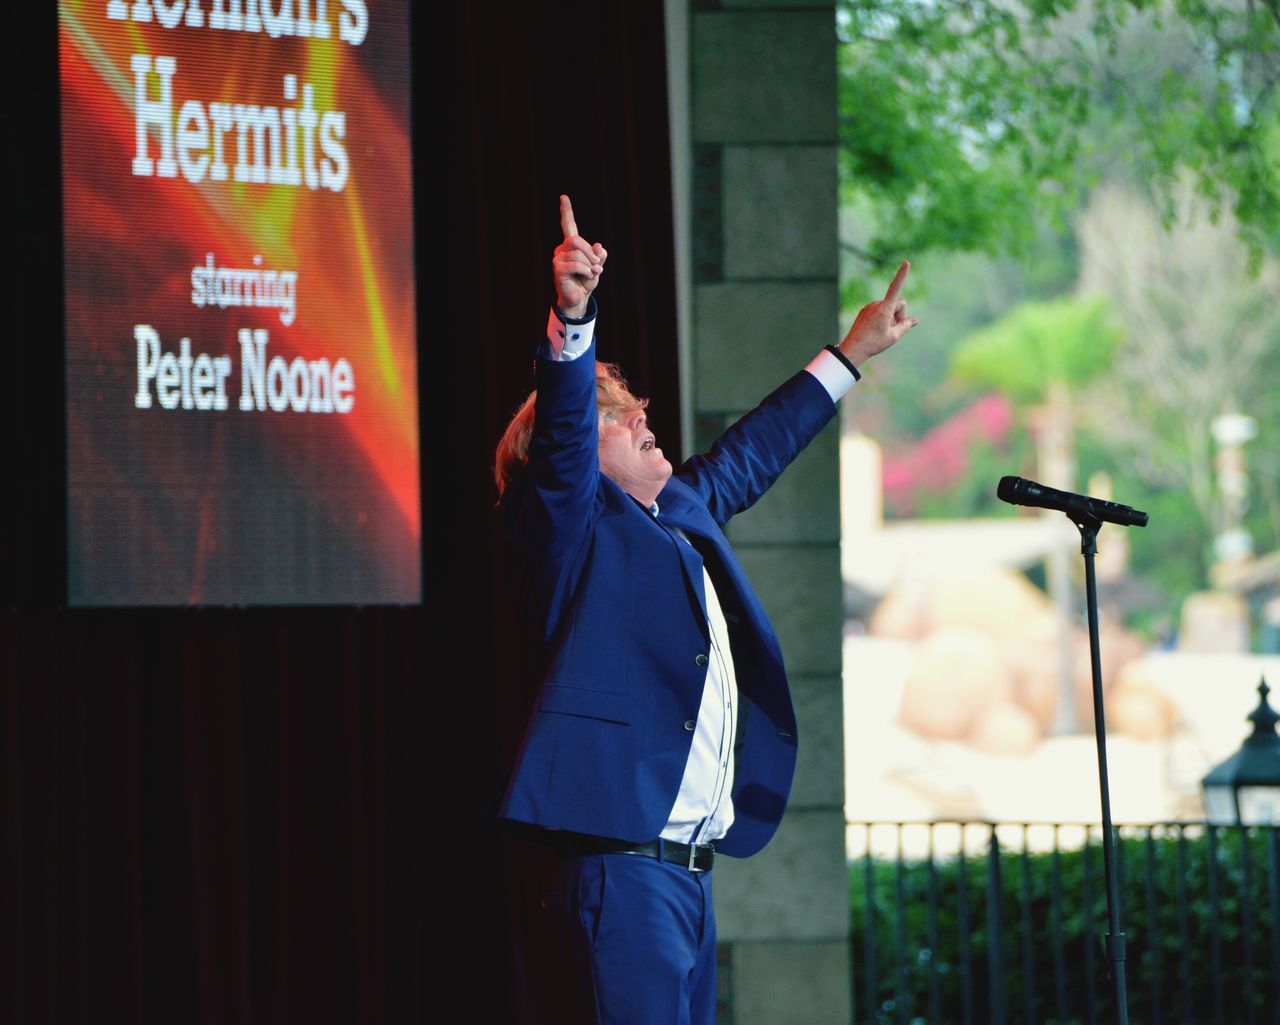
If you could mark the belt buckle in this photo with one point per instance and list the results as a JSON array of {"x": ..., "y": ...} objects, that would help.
[{"x": 693, "y": 858}]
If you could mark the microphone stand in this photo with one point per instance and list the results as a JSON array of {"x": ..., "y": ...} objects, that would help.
[{"x": 1089, "y": 527}]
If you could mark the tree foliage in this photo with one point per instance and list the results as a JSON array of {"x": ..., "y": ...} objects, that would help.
[
  {"x": 1064, "y": 341},
  {"x": 964, "y": 122},
  {"x": 1200, "y": 334},
  {"x": 990, "y": 127}
]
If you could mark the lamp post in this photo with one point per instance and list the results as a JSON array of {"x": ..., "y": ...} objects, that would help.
[{"x": 1245, "y": 789}]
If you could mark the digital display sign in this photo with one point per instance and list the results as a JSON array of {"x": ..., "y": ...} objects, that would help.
[{"x": 241, "y": 375}]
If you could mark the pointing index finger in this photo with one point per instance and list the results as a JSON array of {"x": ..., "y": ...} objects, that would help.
[
  {"x": 895, "y": 286},
  {"x": 567, "y": 223}
]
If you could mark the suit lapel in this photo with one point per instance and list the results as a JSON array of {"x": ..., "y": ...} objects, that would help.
[
  {"x": 675, "y": 510},
  {"x": 690, "y": 560},
  {"x": 681, "y": 508}
]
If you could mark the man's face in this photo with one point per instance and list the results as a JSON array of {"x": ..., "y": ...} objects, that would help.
[{"x": 630, "y": 456}]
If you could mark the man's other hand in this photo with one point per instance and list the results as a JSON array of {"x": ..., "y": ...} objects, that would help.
[
  {"x": 577, "y": 264},
  {"x": 879, "y": 324}
]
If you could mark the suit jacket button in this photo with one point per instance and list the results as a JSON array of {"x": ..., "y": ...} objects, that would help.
[
  {"x": 689, "y": 724},
  {"x": 701, "y": 660}
]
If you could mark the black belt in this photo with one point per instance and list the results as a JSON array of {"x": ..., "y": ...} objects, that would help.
[{"x": 696, "y": 857}]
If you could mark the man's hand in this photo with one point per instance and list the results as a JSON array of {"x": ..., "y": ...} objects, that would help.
[
  {"x": 879, "y": 324},
  {"x": 577, "y": 265}
]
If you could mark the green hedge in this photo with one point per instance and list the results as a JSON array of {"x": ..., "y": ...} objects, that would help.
[{"x": 1173, "y": 972}]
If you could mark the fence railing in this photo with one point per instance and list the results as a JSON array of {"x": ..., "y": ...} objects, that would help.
[{"x": 1003, "y": 923}]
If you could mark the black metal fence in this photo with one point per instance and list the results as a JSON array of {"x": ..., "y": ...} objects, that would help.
[{"x": 1004, "y": 923}]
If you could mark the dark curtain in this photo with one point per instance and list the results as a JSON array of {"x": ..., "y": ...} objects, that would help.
[{"x": 286, "y": 815}]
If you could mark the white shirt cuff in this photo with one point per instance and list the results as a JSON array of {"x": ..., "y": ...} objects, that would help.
[
  {"x": 568, "y": 341},
  {"x": 831, "y": 374}
]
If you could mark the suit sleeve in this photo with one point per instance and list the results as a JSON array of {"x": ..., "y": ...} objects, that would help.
[
  {"x": 552, "y": 511},
  {"x": 745, "y": 461}
]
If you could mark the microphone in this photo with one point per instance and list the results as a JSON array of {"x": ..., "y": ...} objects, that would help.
[{"x": 1019, "y": 491}]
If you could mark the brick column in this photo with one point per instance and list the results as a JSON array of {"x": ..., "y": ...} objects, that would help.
[{"x": 754, "y": 157}]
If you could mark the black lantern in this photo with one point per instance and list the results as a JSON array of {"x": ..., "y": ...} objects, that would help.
[{"x": 1245, "y": 789}]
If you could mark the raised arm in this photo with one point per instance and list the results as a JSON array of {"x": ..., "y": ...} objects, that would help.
[
  {"x": 551, "y": 512},
  {"x": 745, "y": 461}
]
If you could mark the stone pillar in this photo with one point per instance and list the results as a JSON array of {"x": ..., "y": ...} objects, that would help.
[{"x": 760, "y": 153}]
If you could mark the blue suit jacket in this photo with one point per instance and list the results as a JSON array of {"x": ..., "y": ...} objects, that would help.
[{"x": 620, "y": 600}]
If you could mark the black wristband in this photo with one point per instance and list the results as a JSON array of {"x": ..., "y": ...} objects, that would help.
[
  {"x": 845, "y": 360},
  {"x": 586, "y": 318}
]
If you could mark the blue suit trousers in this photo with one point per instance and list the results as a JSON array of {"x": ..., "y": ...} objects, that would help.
[{"x": 644, "y": 935}]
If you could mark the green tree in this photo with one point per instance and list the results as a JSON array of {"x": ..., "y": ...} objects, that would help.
[
  {"x": 1040, "y": 346},
  {"x": 965, "y": 122},
  {"x": 1041, "y": 355},
  {"x": 1200, "y": 341}
]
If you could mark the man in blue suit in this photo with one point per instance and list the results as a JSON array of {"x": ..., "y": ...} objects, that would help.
[{"x": 663, "y": 733}]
